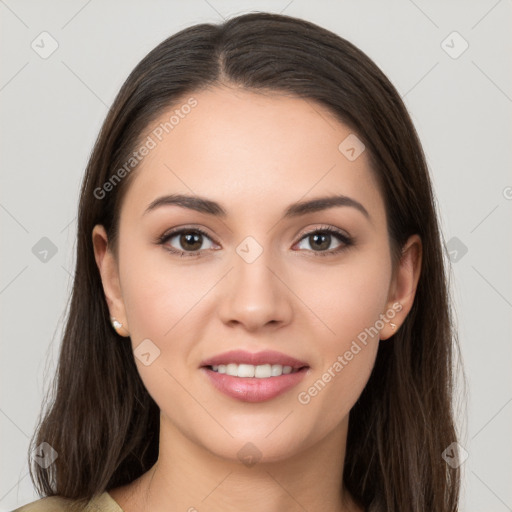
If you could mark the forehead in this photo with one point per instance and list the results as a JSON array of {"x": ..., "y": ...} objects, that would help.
[{"x": 245, "y": 148}]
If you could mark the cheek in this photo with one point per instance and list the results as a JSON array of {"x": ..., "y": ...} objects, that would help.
[
  {"x": 350, "y": 297},
  {"x": 350, "y": 305},
  {"x": 361, "y": 298},
  {"x": 158, "y": 292},
  {"x": 159, "y": 299}
]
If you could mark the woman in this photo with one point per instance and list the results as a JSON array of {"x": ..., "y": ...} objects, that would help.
[{"x": 260, "y": 317}]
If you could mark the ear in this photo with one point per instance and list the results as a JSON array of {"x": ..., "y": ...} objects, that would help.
[
  {"x": 107, "y": 266},
  {"x": 403, "y": 285}
]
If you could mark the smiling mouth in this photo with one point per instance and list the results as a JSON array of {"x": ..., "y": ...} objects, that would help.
[{"x": 262, "y": 371}]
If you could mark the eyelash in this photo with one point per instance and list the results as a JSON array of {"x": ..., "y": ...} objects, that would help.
[{"x": 346, "y": 241}]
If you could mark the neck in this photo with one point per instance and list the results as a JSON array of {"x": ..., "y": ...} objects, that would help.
[{"x": 190, "y": 478}]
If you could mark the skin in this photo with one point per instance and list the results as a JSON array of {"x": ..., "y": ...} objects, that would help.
[{"x": 255, "y": 154}]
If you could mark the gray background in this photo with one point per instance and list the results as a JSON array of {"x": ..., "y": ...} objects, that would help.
[{"x": 52, "y": 109}]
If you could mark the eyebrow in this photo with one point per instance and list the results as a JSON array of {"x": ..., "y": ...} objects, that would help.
[{"x": 209, "y": 207}]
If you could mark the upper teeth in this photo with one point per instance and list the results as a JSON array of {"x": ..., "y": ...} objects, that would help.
[{"x": 261, "y": 371}]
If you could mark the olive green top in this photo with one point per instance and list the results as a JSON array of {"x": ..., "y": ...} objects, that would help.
[{"x": 102, "y": 503}]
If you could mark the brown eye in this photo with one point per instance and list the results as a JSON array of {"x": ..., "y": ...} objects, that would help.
[
  {"x": 191, "y": 241},
  {"x": 185, "y": 242},
  {"x": 320, "y": 241}
]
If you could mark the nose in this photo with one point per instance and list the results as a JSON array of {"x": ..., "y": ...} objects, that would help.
[{"x": 255, "y": 296}]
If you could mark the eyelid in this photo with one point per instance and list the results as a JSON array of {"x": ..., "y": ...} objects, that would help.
[
  {"x": 324, "y": 228},
  {"x": 179, "y": 229}
]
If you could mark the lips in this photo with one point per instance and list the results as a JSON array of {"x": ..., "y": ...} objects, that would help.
[
  {"x": 264, "y": 385},
  {"x": 254, "y": 358}
]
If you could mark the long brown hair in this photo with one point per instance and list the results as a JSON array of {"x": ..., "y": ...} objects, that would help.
[{"x": 101, "y": 420}]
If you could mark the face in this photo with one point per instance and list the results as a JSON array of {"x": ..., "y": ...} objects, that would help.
[{"x": 193, "y": 285}]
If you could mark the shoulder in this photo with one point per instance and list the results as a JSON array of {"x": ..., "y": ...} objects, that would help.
[
  {"x": 101, "y": 503},
  {"x": 56, "y": 503}
]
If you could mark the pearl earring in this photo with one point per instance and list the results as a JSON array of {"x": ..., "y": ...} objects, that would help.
[
  {"x": 115, "y": 323},
  {"x": 393, "y": 326}
]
